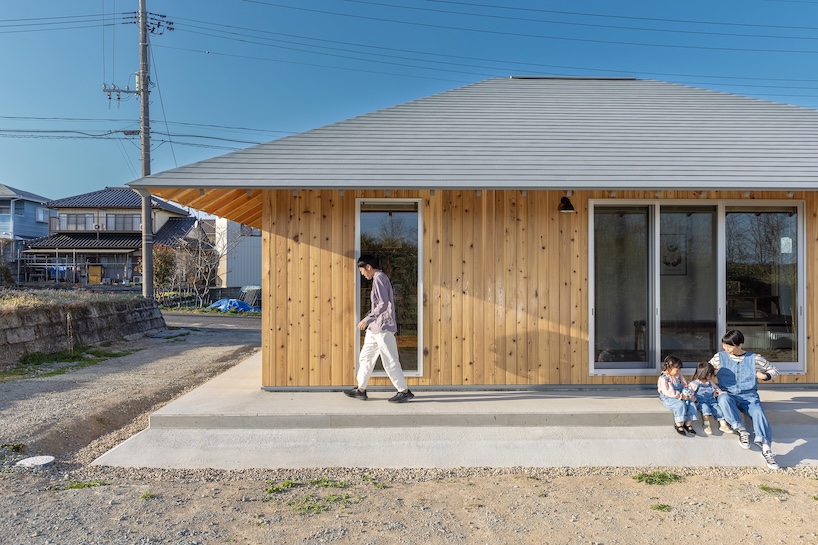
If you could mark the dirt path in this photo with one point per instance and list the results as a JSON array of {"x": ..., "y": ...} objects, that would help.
[{"x": 80, "y": 415}]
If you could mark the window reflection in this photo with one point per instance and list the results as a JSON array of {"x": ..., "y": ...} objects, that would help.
[
  {"x": 762, "y": 280},
  {"x": 389, "y": 232}
]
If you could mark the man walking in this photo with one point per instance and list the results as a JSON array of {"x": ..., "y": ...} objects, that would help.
[{"x": 380, "y": 326}]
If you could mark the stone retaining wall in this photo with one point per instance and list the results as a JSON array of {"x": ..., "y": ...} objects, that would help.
[{"x": 58, "y": 328}]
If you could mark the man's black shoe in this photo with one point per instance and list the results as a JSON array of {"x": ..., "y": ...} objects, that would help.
[
  {"x": 402, "y": 397},
  {"x": 356, "y": 393}
]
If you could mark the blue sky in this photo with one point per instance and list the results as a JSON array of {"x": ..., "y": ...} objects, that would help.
[{"x": 236, "y": 72}]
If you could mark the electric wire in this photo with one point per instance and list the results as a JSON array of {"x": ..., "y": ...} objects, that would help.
[
  {"x": 579, "y": 24},
  {"x": 529, "y": 35},
  {"x": 460, "y": 64}
]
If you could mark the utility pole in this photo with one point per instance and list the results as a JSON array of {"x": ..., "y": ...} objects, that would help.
[
  {"x": 145, "y": 124},
  {"x": 142, "y": 91}
]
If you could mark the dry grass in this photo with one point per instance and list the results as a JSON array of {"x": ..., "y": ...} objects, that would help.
[{"x": 11, "y": 299}]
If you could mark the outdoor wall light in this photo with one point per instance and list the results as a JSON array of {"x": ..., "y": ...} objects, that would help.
[{"x": 565, "y": 206}]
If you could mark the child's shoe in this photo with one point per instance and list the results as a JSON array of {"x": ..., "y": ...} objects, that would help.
[
  {"x": 706, "y": 425},
  {"x": 724, "y": 426}
]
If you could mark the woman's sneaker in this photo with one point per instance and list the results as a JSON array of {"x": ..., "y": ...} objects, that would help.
[
  {"x": 744, "y": 438},
  {"x": 769, "y": 457},
  {"x": 725, "y": 427}
]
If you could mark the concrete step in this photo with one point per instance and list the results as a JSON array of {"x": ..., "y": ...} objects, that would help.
[
  {"x": 308, "y": 410},
  {"x": 231, "y": 423}
]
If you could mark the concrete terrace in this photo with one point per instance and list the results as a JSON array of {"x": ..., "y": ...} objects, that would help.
[{"x": 231, "y": 423}]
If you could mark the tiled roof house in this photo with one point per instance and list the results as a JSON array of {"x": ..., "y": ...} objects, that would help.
[{"x": 96, "y": 237}]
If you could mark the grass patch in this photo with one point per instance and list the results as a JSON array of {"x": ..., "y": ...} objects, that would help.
[
  {"x": 772, "y": 489},
  {"x": 13, "y": 447},
  {"x": 274, "y": 488},
  {"x": 374, "y": 483},
  {"x": 309, "y": 505},
  {"x": 147, "y": 496},
  {"x": 312, "y": 504},
  {"x": 77, "y": 485},
  {"x": 344, "y": 500},
  {"x": 38, "y": 364},
  {"x": 663, "y": 507},
  {"x": 658, "y": 477},
  {"x": 12, "y": 299},
  {"x": 309, "y": 502},
  {"x": 323, "y": 482}
]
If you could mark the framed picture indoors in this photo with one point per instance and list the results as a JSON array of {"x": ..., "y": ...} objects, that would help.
[{"x": 673, "y": 254}]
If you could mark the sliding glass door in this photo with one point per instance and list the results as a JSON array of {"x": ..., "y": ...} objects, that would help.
[
  {"x": 622, "y": 263},
  {"x": 671, "y": 278},
  {"x": 688, "y": 282},
  {"x": 762, "y": 279}
]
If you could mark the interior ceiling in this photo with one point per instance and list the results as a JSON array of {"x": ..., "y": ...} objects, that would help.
[{"x": 239, "y": 205}]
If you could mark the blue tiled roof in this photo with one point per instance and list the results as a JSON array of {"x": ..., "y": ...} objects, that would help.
[
  {"x": 170, "y": 234},
  {"x": 112, "y": 197},
  {"x": 86, "y": 241},
  {"x": 174, "y": 230}
]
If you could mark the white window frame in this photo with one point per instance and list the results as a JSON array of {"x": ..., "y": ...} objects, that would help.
[
  {"x": 42, "y": 214},
  {"x": 791, "y": 368},
  {"x": 419, "y": 372}
]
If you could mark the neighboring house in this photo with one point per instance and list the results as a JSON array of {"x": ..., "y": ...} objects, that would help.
[
  {"x": 23, "y": 216},
  {"x": 96, "y": 238},
  {"x": 240, "y": 249},
  {"x": 538, "y": 231}
]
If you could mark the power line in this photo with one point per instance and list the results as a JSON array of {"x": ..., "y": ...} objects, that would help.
[
  {"x": 182, "y": 28},
  {"x": 125, "y": 120},
  {"x": 528, "y": 35},
  {"x": 573, "y": 23},
  {"x": 627, "y": 17}
]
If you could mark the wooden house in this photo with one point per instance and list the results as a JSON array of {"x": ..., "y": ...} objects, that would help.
[{"x": 538, "y": 231}]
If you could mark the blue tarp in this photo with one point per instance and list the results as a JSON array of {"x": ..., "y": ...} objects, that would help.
[{"x": 226, "y": 305}]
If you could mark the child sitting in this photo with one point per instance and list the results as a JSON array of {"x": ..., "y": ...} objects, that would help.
[
  {"x": 706, "y": 392},
  {"x": 671, "y": 385}
]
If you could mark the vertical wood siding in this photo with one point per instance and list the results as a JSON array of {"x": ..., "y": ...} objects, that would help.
[{"x": 505, "y": 278}]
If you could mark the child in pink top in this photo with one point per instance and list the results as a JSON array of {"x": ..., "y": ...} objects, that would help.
[{"x": 675, "y": 394}]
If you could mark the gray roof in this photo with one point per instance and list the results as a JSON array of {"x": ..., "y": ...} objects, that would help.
[
  {"x": 537, "y": 133},
  {"x": 174, "y": 230},
  {"x": 85, "y": 241},
  {"x": 112, "y": 197},
  {"x": 171, "y": 234},
  {"x": 8, "y": 192}
]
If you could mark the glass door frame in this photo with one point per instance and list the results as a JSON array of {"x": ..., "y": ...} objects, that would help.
[
  {"x": 654, "y": 332},
  {"x": 419, "y": 202}
]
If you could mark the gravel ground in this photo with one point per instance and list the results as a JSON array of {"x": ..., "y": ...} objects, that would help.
[{"x": 80, "y": 415}]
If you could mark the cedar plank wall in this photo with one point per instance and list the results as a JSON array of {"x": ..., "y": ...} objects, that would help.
[{"x": 505, "y": 296}]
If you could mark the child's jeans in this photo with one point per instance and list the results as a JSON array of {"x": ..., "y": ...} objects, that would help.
[
  {"x": 710, "y": 407},
  {"x": 682, "y": 411}
]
